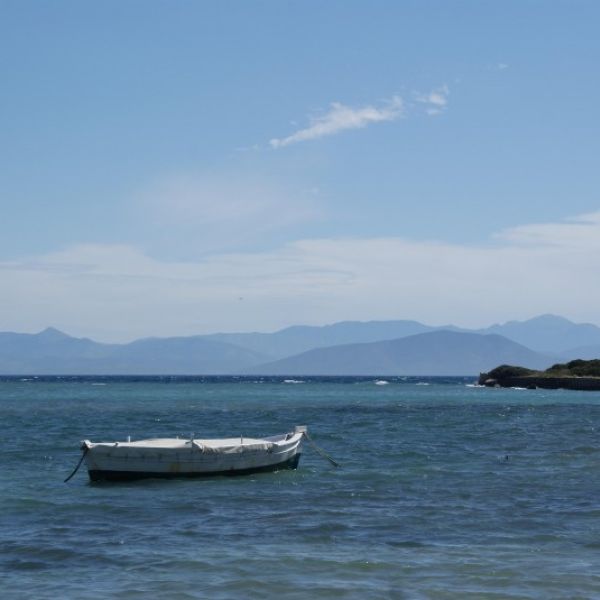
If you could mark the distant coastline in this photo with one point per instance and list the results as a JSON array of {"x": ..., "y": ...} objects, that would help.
[{"x": 348, "y": 348}]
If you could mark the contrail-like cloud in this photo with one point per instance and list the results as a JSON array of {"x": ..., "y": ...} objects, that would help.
[{"x": 340, "y": 118}]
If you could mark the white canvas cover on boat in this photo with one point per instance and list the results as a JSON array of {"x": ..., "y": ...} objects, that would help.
[
  {"x": 221, "y": 446},
  {"x": 233, "y": 445}
]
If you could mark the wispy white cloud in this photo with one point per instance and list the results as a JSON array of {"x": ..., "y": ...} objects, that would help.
[
  {"x": 500, "y": 66},
  {"x": 220, "y": 211},
  {"x": 435, "y": 101},
  {"x": 119, "y": 292},
  {"x": 582, "y": 231},
  {"x": 341, "y": 118}
]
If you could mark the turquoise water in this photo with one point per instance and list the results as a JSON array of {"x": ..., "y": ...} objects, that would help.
[{"x": 446, "y": 491}]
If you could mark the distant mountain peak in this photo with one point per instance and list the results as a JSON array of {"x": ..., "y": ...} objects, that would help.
[
  {"x": 51, "y": 333},
  {"x": 549, "y": 318},
  {"x": 545, "y": 319}
]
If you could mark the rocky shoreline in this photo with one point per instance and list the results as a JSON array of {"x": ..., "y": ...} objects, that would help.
[
  {"x": 590, "y": 384},
  {"x": 575, "y": 375}
]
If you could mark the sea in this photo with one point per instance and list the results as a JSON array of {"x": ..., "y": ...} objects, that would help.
[{"x": 445, "y": 490}]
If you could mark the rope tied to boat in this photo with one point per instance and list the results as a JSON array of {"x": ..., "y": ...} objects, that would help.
[
  {"x": 85, "y": 449},
  {"x": 320, "y": 451}
]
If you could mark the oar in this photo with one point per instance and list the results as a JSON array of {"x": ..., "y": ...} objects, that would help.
[
  {"x": 320, "y": 451},
  {"x": 78, "y": 465}
]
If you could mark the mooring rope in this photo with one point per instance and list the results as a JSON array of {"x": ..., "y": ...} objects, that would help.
[
  {"x": 320, "y": 451},
  {"x": 78, "y": 465}
]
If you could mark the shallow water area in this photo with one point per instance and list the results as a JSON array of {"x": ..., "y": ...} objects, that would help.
[{"x": 445, "y": 491}]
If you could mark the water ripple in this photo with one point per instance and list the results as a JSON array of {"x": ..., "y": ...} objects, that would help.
[{"x": 445, "y": 492}]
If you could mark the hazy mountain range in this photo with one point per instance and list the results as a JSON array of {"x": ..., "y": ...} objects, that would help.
[
  {"x": 435, "y": 353},
  {"x": 346, "y": 348}
]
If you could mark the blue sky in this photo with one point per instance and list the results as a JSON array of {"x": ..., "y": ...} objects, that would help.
[{"x": 172, "y": 168}]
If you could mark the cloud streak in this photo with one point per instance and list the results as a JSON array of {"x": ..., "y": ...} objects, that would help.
[
  {"x": 116, "y": 293},
  {"x": 200, "y": 212},
  {"x": 342, "y": 118},
  {"x": 582, "y": 231}
]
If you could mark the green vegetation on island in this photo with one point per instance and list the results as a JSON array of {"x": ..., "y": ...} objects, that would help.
[{"x": 575, "y": 368}]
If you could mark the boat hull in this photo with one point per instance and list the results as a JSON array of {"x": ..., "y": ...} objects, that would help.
[{"x": 105, "y": 475}]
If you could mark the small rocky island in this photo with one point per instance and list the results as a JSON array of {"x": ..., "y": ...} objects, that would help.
[{"x": 574, "y": 375}]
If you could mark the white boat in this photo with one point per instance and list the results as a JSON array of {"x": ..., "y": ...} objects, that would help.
[{"x": 174, "y": 457}]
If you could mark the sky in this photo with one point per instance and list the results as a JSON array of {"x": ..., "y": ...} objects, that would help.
[{"x": 183, "y": 167}]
